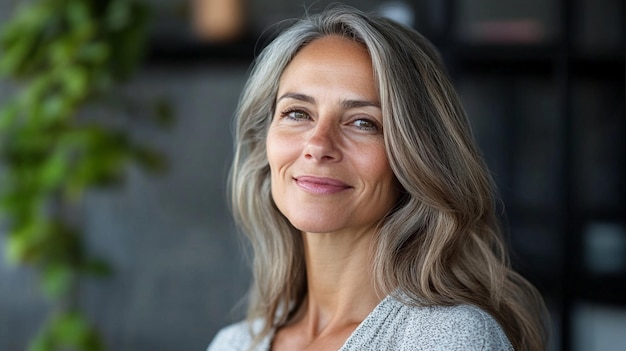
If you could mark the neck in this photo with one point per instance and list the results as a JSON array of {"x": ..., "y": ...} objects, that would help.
[{"x": 339, "y": 279}]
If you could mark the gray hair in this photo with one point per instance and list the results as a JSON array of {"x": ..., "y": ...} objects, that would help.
[{"x": 441, "y": 243}]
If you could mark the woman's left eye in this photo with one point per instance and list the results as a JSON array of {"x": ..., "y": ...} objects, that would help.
[{"x": 365, "y": 124}]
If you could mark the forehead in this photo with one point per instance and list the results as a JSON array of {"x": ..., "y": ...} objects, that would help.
[
  {"x": 332, "y": 49},
  {"x": 331, "y": 61}
]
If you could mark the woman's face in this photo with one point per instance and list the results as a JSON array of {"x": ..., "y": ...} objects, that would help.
[{"x": 325, "y": 144}]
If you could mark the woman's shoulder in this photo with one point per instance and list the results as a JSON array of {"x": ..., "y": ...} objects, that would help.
[
  {"x": 397, "y": 325},
  {"x": 459, "y": 327},
  {"x": 237, "y": 337}
]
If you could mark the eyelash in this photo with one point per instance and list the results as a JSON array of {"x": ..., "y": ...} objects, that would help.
[
  {"x": 374, "y": 125},
  {"x": 288, "y": 115}
]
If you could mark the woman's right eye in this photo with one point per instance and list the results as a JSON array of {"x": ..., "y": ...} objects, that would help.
[{"x": 296, "y": 115}]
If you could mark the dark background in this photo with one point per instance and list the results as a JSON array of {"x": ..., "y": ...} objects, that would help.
[{"x": 543, "y": 82}]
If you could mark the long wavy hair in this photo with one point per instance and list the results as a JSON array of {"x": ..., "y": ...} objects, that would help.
[{"x": 441, "y": 244}]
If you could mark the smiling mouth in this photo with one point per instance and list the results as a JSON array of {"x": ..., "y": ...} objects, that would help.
[{"x": 321, "y": 185}]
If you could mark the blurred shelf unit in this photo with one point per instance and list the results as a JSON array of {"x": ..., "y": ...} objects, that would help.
[
  {"x": 535, "y": 59},
  {"x": 188, "y": 50}
]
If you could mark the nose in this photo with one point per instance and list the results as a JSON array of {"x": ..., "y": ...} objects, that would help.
[{"x": 322, "y": 144}]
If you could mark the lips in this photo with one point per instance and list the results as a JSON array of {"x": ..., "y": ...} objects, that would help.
[{"x": 321, "y": 185}]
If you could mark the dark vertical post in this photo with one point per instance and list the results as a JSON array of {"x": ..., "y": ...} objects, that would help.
[
  {"x": 622, "y": 204},
  {"x": 446, "y": 38},
  {"x": 569, "y": 233}
]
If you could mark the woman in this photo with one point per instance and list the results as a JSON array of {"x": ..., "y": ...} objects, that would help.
[{"x": 369, "y": 208}]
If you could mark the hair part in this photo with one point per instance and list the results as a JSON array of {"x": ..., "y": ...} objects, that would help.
[{"x": 441, "y": 244}]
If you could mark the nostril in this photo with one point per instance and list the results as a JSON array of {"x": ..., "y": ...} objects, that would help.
[{"x": 321, "y": 144}]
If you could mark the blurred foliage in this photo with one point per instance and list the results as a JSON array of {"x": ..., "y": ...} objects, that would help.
[{"x": 63, "y": 56}]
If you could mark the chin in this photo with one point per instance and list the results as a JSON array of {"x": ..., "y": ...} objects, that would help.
[{"x": 315, "y": 225}]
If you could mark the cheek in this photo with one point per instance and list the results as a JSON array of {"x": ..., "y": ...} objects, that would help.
[
  {"x": 279, "y": 156},
  {"x": 378, "y": 172},
  {"x": 375, "y": 166},
  {"x": 273, "y": 143},
  {"x": 274, "y": 149},
  {"x": 282, "y": 146},
  {"x": 281, "y": 151},
  {"x": 273, "y": 155}
]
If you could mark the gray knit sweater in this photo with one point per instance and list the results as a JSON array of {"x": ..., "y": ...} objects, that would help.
[{"x": 393, "y": 325}]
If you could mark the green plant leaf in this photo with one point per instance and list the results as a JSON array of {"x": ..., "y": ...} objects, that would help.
[
  {"x": 56, "y": 107},
  {"x": 23, "y": 241},
  {"x": 95, "y": 53},
  {"x": 125, "y": 35},
  {"x": 53, "y": 170},
  {"x": 74, "y": 330},
  {"x": 98, "y": 268},
  {"x": 75, "y": 81},
  {"x": 118, "y": 15},
  {"x": 64, "y": 56},
  {"x": 67, "y": 330},
  {"x": 42, "y": 342},
  {"x": 57, "y": 279},
  {"x": 8, "y": 116}
]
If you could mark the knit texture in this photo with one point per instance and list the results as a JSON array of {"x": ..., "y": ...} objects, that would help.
[{"x": 393, "y": 325}]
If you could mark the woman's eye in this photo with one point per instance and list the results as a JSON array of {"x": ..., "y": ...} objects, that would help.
[
  {"x": 296, "y": 115},
  {"x": 365, "y": 124}
]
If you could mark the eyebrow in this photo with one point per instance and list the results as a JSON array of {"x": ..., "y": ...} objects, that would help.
[{"x": 347, "y": 104}]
